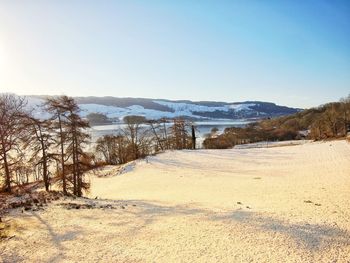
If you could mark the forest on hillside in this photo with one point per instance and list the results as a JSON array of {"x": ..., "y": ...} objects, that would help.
[{"x": 331, "y": 120}]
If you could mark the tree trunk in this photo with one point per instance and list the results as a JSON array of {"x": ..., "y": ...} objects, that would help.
[
  {"x": 157, "y": 138},
  {"x": 78, "y": 172},
  {"x": 45, "y": 172},
  {"x": 166, "y": 136},
  {"x": 74, "y": 168},
  {"x": 7, "y": 175},
  {"x": 64, "y": 182}
]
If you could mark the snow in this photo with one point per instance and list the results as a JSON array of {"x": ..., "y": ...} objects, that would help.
[
  {"x": 242, "y": 107},
  {"x": 189, "y": 108},
  {"x": 278, "y": 204},
  {"x": 120, "y": 113},
  {"x": 180, "y": 109},
  {"x": 112, "y": 170},
  {"x": 267, "y": 144}
]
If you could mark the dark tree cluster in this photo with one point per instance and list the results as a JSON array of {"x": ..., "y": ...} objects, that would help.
[{"x": 98, "y": 119}]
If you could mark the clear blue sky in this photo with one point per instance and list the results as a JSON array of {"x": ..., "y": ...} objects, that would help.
[{"x": 295, "y": 53}]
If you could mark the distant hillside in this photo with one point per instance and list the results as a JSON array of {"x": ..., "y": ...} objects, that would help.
[
  {"x": 331, "y": 120},
  {"x": 117, "y": 108}
]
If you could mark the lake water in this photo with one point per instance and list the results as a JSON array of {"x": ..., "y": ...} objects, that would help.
[{"x": 202, "y": 128}]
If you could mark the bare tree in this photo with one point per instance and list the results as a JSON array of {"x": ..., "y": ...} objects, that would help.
[
  {"x": 120, "y": 143},
  {"x": 22, "y": 171},
  {"x": 345, "y": 107},
  {"x": 39, "y": 139},
  {"x": 76, "y": 139},
  {"x": 164, "y": 131},
  {"x": 106, "y": 146},
  {"x": 155, "y": 128},
  {"x": 71, "y": 139},
  {"x": 317, "y": 129},
  {"x": 332, "y": 116},
  {"x": 57, "y": 107},
  {"x": 114, "y": 149},
  {"x": 160, "y": 131},
  {"x": 137, "y": 136},
  {"x": 11, "y": 133},
  {"x": 181, "y": 138}
]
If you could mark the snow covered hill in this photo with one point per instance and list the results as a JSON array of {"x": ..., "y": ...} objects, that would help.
[{"x": 117, "y": 108}]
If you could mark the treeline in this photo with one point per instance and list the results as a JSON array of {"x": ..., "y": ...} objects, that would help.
[
  {"x": 58, "y": 149},
  {"x": 141, "y": 137},
  {"x": 330, "y": 120},
  {"x": 98, "y": 119},
  {"x": 33, "y": 149}
]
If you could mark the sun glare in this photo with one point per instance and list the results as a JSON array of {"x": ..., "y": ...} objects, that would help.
[{"x": 3, "y": 58}]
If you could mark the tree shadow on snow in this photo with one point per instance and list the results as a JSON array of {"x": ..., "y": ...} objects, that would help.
[
  {"x": 312, "y": 237},
  {"x": 56, "y": 238}
]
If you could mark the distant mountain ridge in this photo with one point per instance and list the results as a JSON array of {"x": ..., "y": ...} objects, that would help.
[{"x": 116, "y": 108}]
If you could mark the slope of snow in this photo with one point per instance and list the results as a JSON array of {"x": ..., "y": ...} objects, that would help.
[
  {"x": 116, "y": 112},
  {"x": 188, "y": 108},
  {"x": 242, "y": 107},
  {"x": 280, "y": 204}
]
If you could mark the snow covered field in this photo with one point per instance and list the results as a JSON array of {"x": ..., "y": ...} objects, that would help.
[{"x": 278, "y": 204}]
